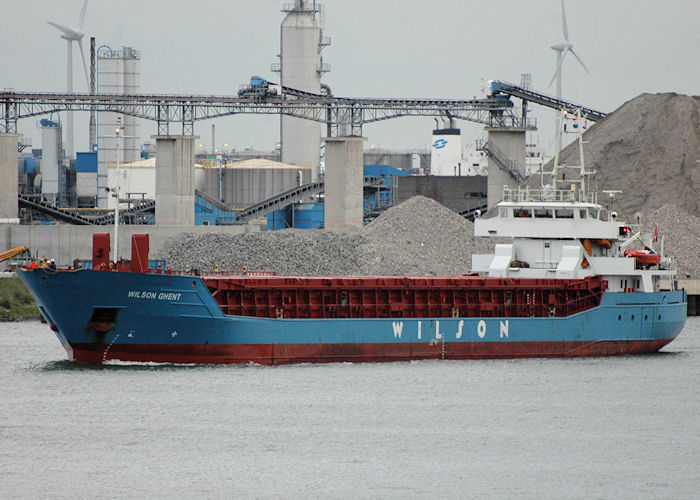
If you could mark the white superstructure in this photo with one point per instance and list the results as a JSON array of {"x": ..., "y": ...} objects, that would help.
[{"x": 559, "y": 230}]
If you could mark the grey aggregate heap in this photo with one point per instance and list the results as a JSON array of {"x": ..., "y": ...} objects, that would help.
[
  {"x": 418, "y": 237},
  {"x": 681, "y": 235}
]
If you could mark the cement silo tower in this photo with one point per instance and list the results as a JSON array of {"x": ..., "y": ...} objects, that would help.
[
  {"x": 301, "y": 67},
  {"x": 118, "y": 72}
]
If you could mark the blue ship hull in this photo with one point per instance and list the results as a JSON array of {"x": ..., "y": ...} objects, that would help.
[{"x": 100, "y": 316}]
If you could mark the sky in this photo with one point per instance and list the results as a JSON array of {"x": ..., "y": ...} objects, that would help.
[{"x": 380, "y": 48}]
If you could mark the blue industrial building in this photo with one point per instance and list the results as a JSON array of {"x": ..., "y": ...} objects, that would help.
[{"x": 377, "y": 197}]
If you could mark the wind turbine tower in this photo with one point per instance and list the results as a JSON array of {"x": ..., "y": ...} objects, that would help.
[
  {"x": 562, "y": 49},
  {"x": 301, "y": 67},
  {"x": 71, "y": 35}
]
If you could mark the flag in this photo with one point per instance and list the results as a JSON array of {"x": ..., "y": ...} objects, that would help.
[{"x": 656, "y": 233}]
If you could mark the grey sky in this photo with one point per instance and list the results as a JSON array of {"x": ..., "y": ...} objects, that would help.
[{"x": 379, "y": 48}]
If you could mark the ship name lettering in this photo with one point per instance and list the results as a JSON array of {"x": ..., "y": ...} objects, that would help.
[
  {"x": 145, "y": 294},
  {"x": 398, "y": 328},
  {"x": 481, "y": 329},
  {"x": 504, "y": 329}
]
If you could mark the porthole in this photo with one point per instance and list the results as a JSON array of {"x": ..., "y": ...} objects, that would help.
[
  {"x": 619, "y": 317},
  {"x": 633, "y": 317},
  {"x": 659, "y": 316},
  {"x": 646, "y": 317}
]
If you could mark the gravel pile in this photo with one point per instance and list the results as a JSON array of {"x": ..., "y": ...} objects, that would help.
[
  {"x": 287, "y": 252},
  {"x": 421, "y": 237},
  {"x": 681, "y": 232},
  {"x": 418, "y": 237},
  {"x": 649, "y": 148}
]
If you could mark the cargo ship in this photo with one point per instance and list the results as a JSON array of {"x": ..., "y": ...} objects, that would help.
[{"x": 572, "y": 280}]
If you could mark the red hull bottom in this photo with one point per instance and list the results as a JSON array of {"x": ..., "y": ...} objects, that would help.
[{"x": 280, "y": 354}]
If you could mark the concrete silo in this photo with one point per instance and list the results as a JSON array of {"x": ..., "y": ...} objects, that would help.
[
  {"x": 118, "y": 72},
  {"x": 52, "y": 182},
  {"x": 301, "y": 66}
]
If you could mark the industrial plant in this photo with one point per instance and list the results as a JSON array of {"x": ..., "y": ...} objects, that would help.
[{"x": 320, "y": 176}]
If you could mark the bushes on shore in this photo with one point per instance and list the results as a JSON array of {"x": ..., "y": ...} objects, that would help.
[{"x": 16, "y": 303}]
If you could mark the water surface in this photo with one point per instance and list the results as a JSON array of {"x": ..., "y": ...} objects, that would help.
[{"x": 624, "y": 427}]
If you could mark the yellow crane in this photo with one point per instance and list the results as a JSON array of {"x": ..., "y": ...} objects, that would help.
[{"x": 13, "y": 252}]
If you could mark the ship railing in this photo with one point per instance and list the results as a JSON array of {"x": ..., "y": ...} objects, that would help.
[
  {"x": 526, "y": 194},
  {"x": 216, "y": 271}
]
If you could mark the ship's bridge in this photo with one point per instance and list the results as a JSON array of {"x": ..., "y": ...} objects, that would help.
[{"x": 551, "y": 220}]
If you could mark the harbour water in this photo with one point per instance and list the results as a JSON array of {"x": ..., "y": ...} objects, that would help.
[{"x": 625, "y": 427}]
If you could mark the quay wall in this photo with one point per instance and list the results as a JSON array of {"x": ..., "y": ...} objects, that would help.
[{"x": 66, "y": 242}]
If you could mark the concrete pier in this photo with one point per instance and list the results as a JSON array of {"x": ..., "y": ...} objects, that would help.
[
  {"x": 344, "y": 182},
  {"x": 692, "y": 287},
  {"x": 175, "y": 179},
  {"x": 8, "y": 179}
]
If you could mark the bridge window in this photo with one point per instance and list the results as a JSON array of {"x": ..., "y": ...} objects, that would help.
[
  {"x": 593, "y": 212},
  {"x": 543, "y": 213},
  {"x": 564, "y": 213},
  {"x": 503, "y": 212},
  {"x": 522, "y": 212},
  {"x": 582, "y": 213}
]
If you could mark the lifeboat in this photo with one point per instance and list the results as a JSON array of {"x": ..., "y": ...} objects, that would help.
[{"x": 644, "y": 257}]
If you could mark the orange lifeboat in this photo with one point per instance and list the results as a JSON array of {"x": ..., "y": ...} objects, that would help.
[{"x": 644, "y": 257}]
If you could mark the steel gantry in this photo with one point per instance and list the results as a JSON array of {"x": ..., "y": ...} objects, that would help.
[{"x": 343, "y": 116}]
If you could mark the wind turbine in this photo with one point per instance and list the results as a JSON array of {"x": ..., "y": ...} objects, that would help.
[
  {"x": 563, "y": 48},
  {"x": 71, "y": 35}
]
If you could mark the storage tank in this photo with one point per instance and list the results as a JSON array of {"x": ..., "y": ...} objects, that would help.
[
  {"x": 446, "y": 153},
  {"x": 300, "y": 68},
  {"x": 299, "y": 216},
  {"x": 29, "y": 165},
  {"x": 308, "y": 216},
  {"x": 118, "y": 72},
  {"x": 51, "y": 160}
]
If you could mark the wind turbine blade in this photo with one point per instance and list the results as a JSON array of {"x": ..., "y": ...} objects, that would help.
[
  {"x": 82, "y": 15},
  {"x": 65, "y": 29},
  {"x": 579, "y": 60},
  {"x": 82, "y": 58},
  {"x": 556, "y": 73},
  {"x": 563, "y": 22},
  {"x": 68, "y": 33}
]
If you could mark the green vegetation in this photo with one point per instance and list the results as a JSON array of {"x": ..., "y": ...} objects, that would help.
[{"x": 16, "y": 303}]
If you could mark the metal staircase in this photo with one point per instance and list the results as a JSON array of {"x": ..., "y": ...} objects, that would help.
[{"x": 513, "y": 167}]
